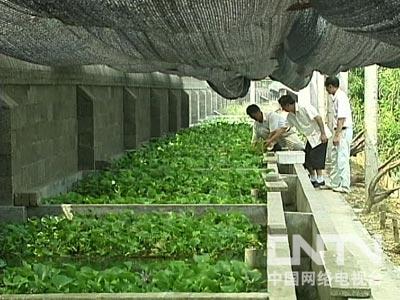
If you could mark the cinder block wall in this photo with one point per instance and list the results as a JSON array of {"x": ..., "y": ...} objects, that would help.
[
  {"x": 108, "y": 118},
  {"x": 6, "y": 141},
  {"x": 43, "y": 133},
  {"x": 56, "y": 122}
]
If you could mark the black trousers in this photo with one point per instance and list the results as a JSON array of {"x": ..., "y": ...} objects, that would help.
[{"x": 315, "y": 157}]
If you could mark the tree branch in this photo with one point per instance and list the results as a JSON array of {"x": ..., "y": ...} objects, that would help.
[
  {"x": 374, "y": 196},
  {"x": 360, "y": 134},
  {"x": 383, "y": 195},
  {"x": 357, "y": 144},
  {"x": 388, "y": 161}
]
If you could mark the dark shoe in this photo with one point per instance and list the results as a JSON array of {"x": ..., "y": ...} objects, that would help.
[
  {"x": 342, "y": 190},
  {"x": 321, "y": 184},
  {"x": 315, "y": 184}
]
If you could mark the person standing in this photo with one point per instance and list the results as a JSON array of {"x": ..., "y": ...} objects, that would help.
[
  {"x": 272, "y": 128},
  {"x": 342, "y": 137},
  {"x": 308, "y": 121}
]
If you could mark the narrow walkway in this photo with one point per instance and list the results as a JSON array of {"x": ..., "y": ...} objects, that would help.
[{"x": 383, "y": 276}]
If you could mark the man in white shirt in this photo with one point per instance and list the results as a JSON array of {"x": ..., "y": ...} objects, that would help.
[
  {"x": 272, "y": 128},
  {"x": 308, "y": 121},
  {"x": 343, "y": 135}
]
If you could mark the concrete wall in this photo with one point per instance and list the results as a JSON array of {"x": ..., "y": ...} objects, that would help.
[
  {"x": 6, "y": 141},
  {"x": 202, "y": 104},
  {"x": 129, "y": 110},
  {"x": 185, "y": 109},
  {"x": 107, "y": 120},
  {"x": 194, "y": 107},
  {"x": 159, "y": 112},
  {"x": 174, "y": 110},
  {"x": 43, "y": 128},
  {"x": 142, "y": 115},
  {"x": 56, "y": 122}
]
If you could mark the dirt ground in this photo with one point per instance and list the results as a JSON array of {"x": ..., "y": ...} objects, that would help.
[{"x": 371, "y": 221}]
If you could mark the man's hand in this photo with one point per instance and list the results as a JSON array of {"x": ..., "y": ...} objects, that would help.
[
  {"x": 269, "y": 144},
  {"x": 324, "y": 139},
  {"x": 336, "y": 139}
]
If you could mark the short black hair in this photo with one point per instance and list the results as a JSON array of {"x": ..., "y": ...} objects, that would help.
[
  {"x": 332, "y": 80},
  {"x": 252, "y": 109},
  {"x": 286, "y": 100}
]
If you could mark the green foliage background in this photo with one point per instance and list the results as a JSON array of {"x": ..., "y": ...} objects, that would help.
[{"x": 389, "y": 108}]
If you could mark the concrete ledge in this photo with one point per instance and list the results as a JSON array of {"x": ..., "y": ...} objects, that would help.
[
  {"x": 276, "y": 216},
  {"x": 12, "y": 214},
  {"x": 26, "y": 199},
  {"x": 140, "y": 296},
  {"x": 15, "y": 71},
  {"x": 280, "y": 285},
  {"x": 276, "y": 186},
  {"x": 269, "y": 160},
  {"x": 271, "y": 177},
  {"x": 257, "y": 213},
  {"x": 273, "y": 181},
  {"x": 290, "y": 157},
  {"x": 317, "y": 202},
  {"x": 344, "y": 287}
]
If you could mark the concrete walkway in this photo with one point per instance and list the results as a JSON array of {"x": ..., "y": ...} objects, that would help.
[{"x": 382, "y": 275}]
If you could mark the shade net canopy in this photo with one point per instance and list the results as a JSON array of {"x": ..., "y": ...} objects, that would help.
[{"x": 226, "y": 42}]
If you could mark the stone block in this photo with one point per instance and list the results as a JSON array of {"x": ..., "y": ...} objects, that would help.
[
  {"x": 194, "y": 107},
  {"x": 129, "y": 141},
  {"x": 219, "y": 102},
  {"x": 129, "y": 104},
  {"x": 276, "y": 186},
  {"x": 159, "y": 112},
  {"x": 5, "y": 146},
  {"x": 5, "y": 165},
  {"x": 202, "y": 104},
  {"x": 86, "y": 123},
  {"x": 276, "y": 216},
  {"x": 102, "y": 165},
  {"x": 270, "y": 177},
  {"x": 213, "y": 102},
  {"x": 184, "y": 109},
  {"x": 85, "y": 139},
  {"x": 267, "y": 159},
  {"x": 175, "y": 108},
  {"x": 255, "y": 258},
  {"x": 142, "y": 115},
  {"x": 290, "y": 157},
  {"x": 209, "y": 110},
  {"x": 28, "y": 199},
  {"x": 86, "y": 158},
  {"x": 12, "y": 214},
  {"x": 15, "y": 95},
  {"x": 6, "y": 191}
]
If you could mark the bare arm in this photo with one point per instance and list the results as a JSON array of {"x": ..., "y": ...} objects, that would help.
[
  {"x": 338, "y": 131},
  {"x": 321, "y": 126},
  {"x": 275, "y": 135}
]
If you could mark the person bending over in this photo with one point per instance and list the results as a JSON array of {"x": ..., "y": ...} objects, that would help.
[
  {"x": 273, "y": 130},
  {"x": 308, "y": 122}
]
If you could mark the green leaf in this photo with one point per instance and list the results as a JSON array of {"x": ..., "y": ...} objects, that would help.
[
  {"x": 3, "y": 263},
  {"x": 61, "y": 280}
]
